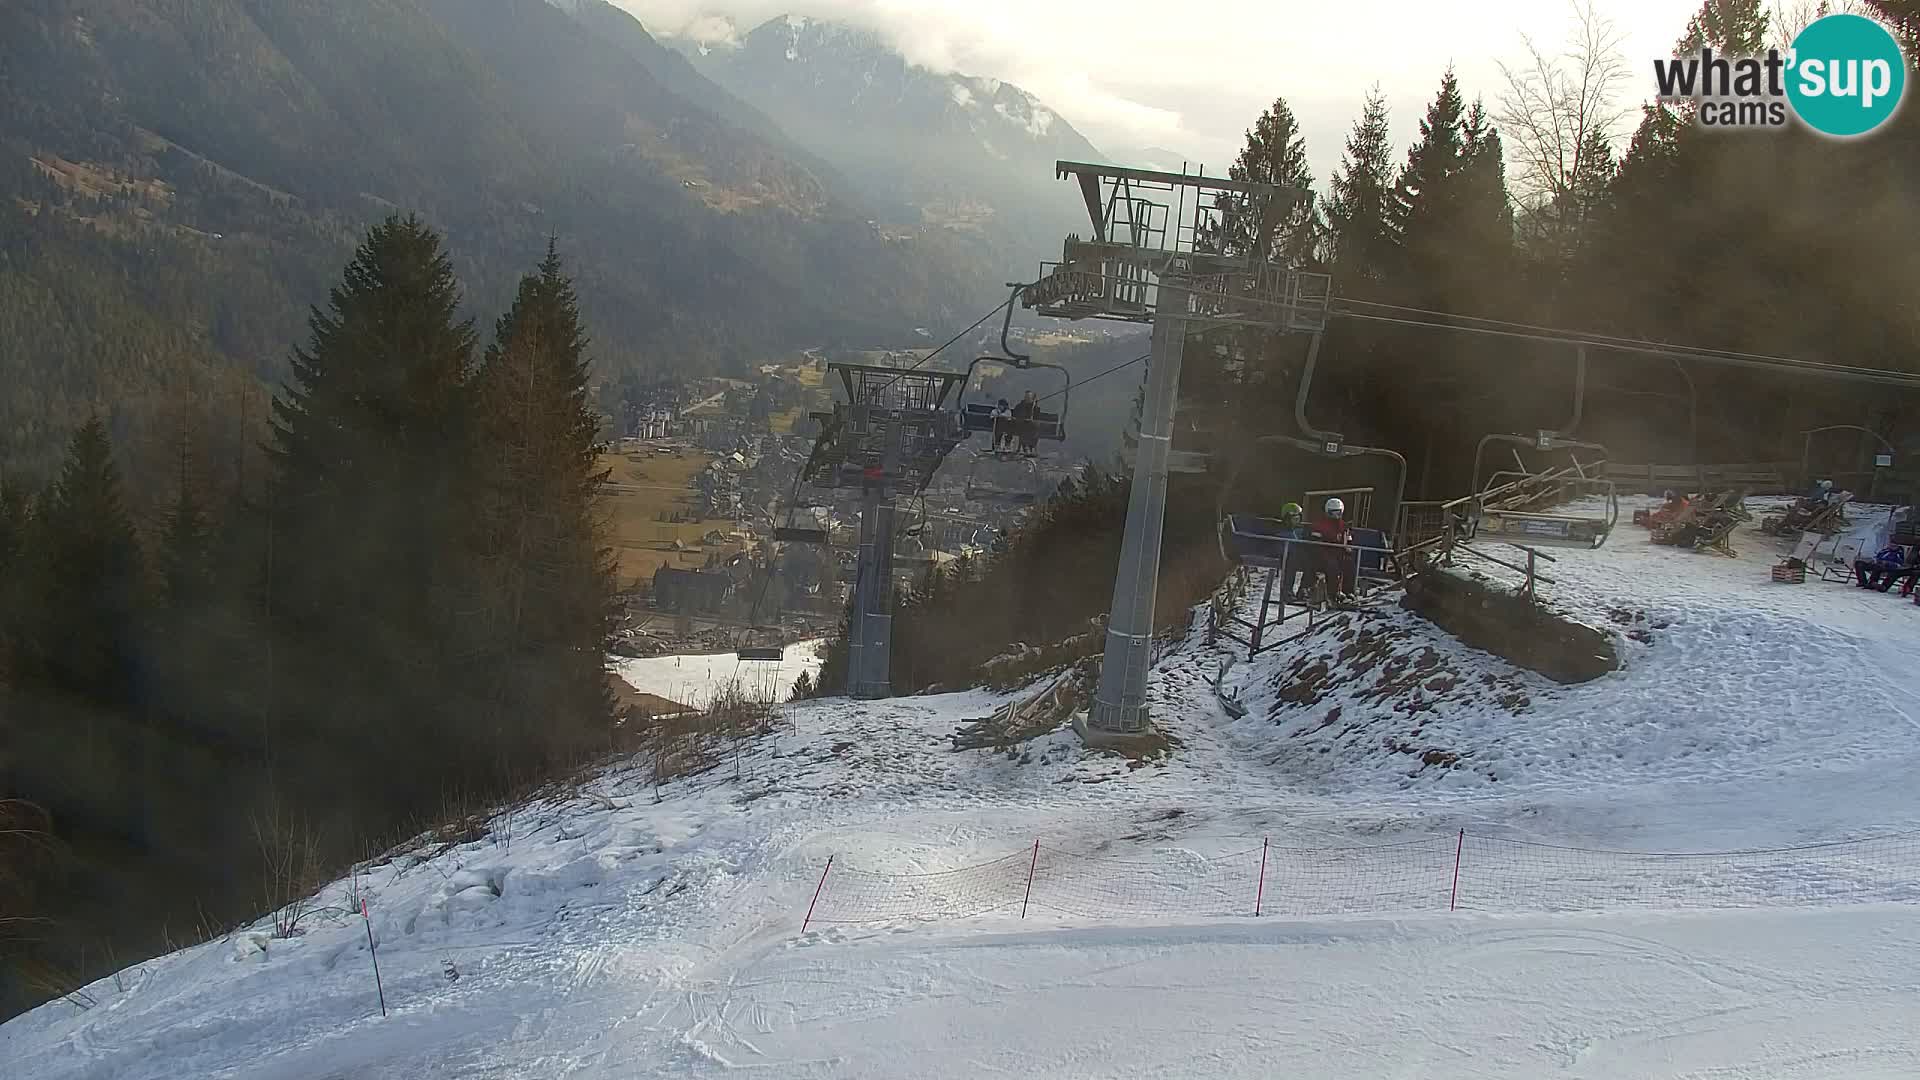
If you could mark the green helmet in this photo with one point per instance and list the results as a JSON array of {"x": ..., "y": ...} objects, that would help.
[{"x": 1291, "y": 510}]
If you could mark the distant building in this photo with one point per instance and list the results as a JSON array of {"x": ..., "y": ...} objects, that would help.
[{"x": 690, "y": 591}]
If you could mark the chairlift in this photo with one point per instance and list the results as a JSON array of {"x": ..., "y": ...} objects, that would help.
[
  {"x": 978, "y": 415},
  {"x": 919, "y": 523},
  {"x": 1544, "y": 530},
  {"x": 1530, "y": 527},
  {"x": 768, "y": 655},
  {"x": 799, "y": 534}
]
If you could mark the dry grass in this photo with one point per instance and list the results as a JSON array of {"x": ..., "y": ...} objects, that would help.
[
  {"x": 640, "y": 488},
  {"x": 626, "y": 697}
]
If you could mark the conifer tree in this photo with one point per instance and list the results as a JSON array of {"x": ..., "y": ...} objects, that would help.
[
  {"x": 1421, "y": 188},
  {"x": 1730, "y": 27},
  {"x": 186, "y": 571},
  {"x": 546, "y": 577},
  {"x": 1452, "y": 212},
  {"x": 1276, "y": 153},
  {"x": 84, "y": 592},
  {"x": 369, "y": 446},
  {"x": 1360, "y": 200}
]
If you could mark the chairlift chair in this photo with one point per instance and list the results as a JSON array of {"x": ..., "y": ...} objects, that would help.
[
  {"x": 799, "y": 534},
  {"x": 978, "y": 415},
  {"x": 1545, "y": 530}
]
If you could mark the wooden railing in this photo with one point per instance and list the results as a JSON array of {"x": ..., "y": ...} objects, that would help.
[{"x": 1755, "y": 477}]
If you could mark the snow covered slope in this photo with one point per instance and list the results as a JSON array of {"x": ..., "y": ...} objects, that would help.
[
  {"x": 698, "y": 679},
  {"x": 616, "y": 933}
]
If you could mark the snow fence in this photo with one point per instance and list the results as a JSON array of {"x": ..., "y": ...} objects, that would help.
[{"x": 1456, "y": 871}]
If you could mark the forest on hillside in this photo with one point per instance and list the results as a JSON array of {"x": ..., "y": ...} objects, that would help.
[
  {"x": 403, "y": 621},
  {"x": 178, "y": 181}
]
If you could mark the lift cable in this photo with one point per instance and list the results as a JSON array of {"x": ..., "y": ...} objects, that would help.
[
  {"x": 1612, "y": 341},
  {"x": 995, "y": 310},
  {"x": 1094, "y": 378}
]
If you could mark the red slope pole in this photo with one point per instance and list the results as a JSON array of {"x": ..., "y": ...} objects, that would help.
[
  {"x": 1030, "y": 867},
  {"x": 1261, "y": 892},
  {"x": 1458, "y": 846},
  {"x": 816, "y": 895}
]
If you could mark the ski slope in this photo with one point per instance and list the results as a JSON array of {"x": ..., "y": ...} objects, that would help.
[
  {"x": 614, "y": 933},
  {"x": 696, "y": 680}
]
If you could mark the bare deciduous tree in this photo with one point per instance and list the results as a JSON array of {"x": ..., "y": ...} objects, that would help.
[{"x": 1557, "y": 114}]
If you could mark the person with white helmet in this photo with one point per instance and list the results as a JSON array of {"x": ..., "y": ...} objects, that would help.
[{"x": 1332, "y": 529}]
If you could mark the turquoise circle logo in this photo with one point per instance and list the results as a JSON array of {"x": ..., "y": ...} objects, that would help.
[{"x": 1848, "y": 75}]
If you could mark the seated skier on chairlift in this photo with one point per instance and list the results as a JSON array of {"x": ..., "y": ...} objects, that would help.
[
  {"x": 1002, "y": 427},
  {"x": 1338, "y": 564},
  {"x": 1293, "y": 522},
  {"x": 1026, "y": 416}
]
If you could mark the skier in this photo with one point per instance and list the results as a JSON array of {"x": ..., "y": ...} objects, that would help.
[
  {"x": 1294, "y": 527},
  {"x": 1332, "y": 529},
  {"x": 1026, "y": 417}
]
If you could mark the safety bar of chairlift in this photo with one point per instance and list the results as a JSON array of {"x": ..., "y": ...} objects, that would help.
[
  {"x": 1229, "y": 525},
  {"x": 1346, "y": 450},
  {"x": 1554, "y": 443},
  {"x": 774, "y": 654},
  {"x": 1595, "y": 484}
]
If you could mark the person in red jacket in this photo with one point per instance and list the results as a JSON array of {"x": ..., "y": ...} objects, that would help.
[{"x": 1332, "y": 529}]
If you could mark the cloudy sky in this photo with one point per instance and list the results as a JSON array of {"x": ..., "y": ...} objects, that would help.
[{"x": 1191, "y": 77}]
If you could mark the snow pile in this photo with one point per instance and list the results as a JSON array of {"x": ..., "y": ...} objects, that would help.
[{"x": 623, "y": 932}]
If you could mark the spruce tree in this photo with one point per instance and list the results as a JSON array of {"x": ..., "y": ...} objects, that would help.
[
  {"x": 83, "y": 595},
  {"x": 1452, "y": 213},
  {"x": 1730, "y": 27},
  {"x": 14, "y": 523},
  {"x": 1276, "y": 153},
  {"x": 1421, "y": 189},
  {"x": 186, "y": 571},
  {"x": 1360, "y": 201},
  {"x": 547, "y": 579},
  {"x": 364, "y": 514}
]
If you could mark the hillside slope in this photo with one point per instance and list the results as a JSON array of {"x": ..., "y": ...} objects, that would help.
[
  {"x": 1042, "y": 908},
  {"x": 253, "y": 140}
]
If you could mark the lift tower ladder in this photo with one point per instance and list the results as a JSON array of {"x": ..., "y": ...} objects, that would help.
[{"x": 1173, "y": 250}]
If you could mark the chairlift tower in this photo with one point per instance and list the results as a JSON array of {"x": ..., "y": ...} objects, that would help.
[
  {"x": 889, "y": 436},
  {"x": 1164, "y": 251}
]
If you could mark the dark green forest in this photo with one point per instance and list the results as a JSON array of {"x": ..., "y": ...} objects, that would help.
[{"x": 410, "y": 615}]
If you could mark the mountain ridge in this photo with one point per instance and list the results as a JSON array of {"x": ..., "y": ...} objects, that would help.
[{"x": 968, "y": 155}]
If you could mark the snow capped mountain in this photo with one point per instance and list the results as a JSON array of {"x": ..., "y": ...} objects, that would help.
[{"x": 953, "y": 151}]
